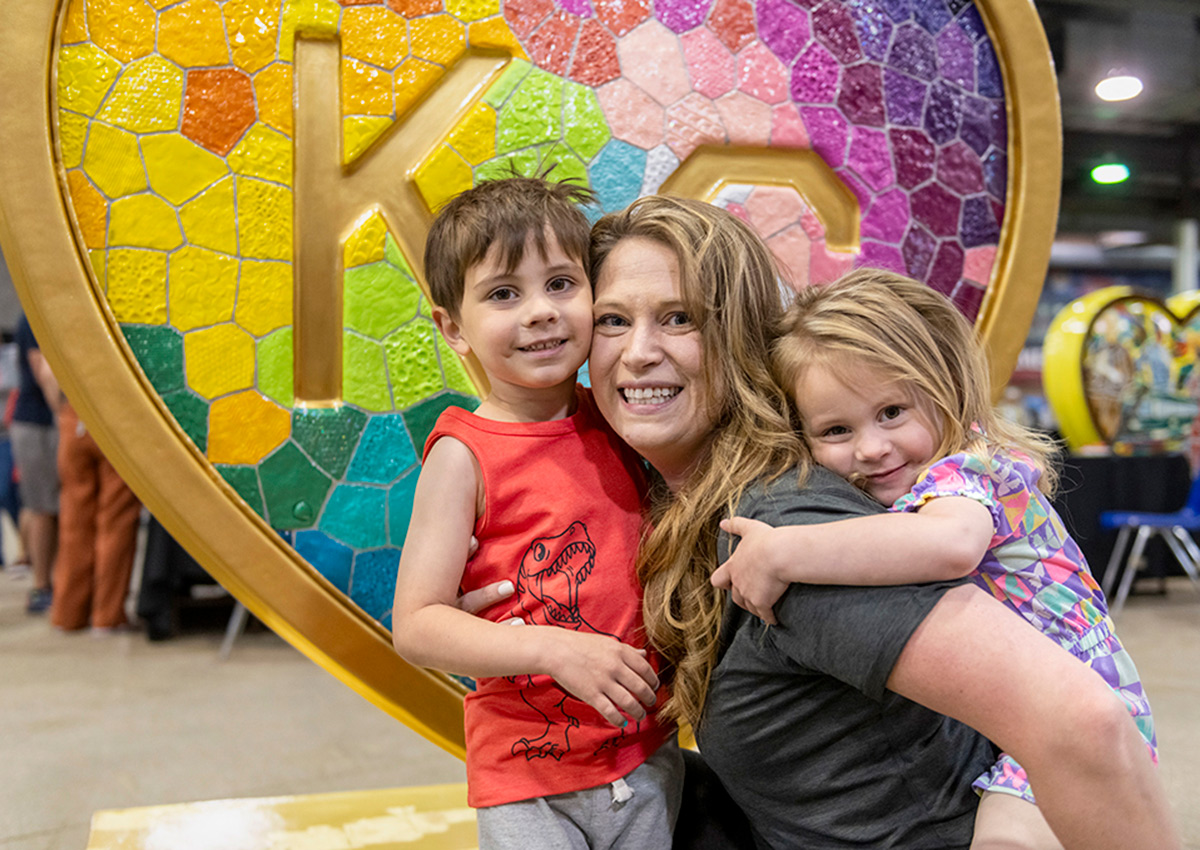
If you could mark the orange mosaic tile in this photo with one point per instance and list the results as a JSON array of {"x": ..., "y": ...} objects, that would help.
[
  {"x": 525, "y": 15},
  {"x": 375, "y": 35},
  {"x": 441, "y": 39},
  {"x": 218, "y": 108},
  {"x": 245, "y": 428},
  {"x": 494, "y": 32},
  {"x": 193, "y": 34},
  {"x": 273, "y": 90},
  {"x": 123, "y": 28},
  {"x": 413, "y": 78},
  {"x": 253, "y": 45},
  {"x": 365, "y": 90},
  {"x": 733, "y": 23},
  {"x": 596, "y": 59},
  {"x": 620, "y": 16},
  {"x": 550, "y": 46},
  {"x": 74, "y": 23},
  {"x": 415, "y": 8},
  {"x": 91, "y": 210}
]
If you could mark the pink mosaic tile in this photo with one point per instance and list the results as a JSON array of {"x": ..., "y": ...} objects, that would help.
[
  {"x": 887, "y": 219},
  {"x": 869, "y": 158},
  {"x": 978, "y": 263},
  {"x": 773, "y": 208},
  {"x": 787, "y": 130},
  {"x": 815, "y": 76},
  {"x": 825, "y": 266},
  {"x": 959, "y": 168},
  {"x": 550, "y": 45},
  {"x": 709, "y": 62},
  {"x": 792, "y": 250},
  {"x": 632, "y": 114},
  {"x": 692, "y": 122},
  {"x": 761, "y": 74},
  {"x": 747, "y": 119},
  {"x": 652, "y": 60},
  {"x": 523, "y": 16},
  {"x": 733, "y": 22}
]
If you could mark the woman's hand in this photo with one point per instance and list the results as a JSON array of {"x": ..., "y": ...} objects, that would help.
[
  {"x": 474, "y": 601},
  {"x": 749, "y": 574},
  {"x": 612, "y": 677}
]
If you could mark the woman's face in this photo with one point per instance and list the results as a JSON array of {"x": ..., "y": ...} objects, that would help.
[{"x": 646, "y": 363}]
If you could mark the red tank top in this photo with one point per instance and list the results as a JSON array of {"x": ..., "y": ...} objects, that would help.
[{"x": 562, "y": 517}]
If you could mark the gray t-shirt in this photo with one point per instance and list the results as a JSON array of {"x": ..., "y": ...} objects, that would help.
[{"x": 799, "y": 725}]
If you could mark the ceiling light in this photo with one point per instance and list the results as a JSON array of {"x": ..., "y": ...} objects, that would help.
[
  {"x": 1118, "y": 86},
  {"x": 1110, "y": 172}
]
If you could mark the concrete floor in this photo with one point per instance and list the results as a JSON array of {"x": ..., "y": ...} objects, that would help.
[{"x": 115, "y": 722}]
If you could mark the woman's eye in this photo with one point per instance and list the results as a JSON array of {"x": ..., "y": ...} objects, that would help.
[
  {"x": 679, "y": 319},
  {"x": 609, "y": 320}
]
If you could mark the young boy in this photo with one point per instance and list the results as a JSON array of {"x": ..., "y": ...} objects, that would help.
[{"x": 553, "y": 498}]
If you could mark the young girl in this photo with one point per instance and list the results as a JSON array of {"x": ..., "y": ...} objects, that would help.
[{"x": 892, "y": 392}]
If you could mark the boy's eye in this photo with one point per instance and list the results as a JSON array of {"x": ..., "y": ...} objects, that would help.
[
  {"x": 502, "y": 294},
  {"x": 560, "y": 284}
]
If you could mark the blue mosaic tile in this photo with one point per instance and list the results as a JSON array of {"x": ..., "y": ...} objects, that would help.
[
  {"x": 972, "y": 24},
  {"x": 330, "y": 558},
  {"x": 932, "y": 15},
  {"x": 384, "y": 451},
  {"x": 356, "y": 515},
  {"x": 616, "y": 174},
  {"x": 988, "y": 70},
  {"x": 373, "y": 582}
]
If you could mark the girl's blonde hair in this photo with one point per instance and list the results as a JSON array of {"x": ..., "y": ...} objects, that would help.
[
  {"x": 914, "y": 335},
  {"x": 730, "y": 290}
]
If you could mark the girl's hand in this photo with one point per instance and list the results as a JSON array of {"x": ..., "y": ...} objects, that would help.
[
  {"x": 749, "y": 572},
  {"x": 612, "y": 677}
]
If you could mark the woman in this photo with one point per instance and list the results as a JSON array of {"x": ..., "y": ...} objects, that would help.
[{"x": 824, "y": 728}]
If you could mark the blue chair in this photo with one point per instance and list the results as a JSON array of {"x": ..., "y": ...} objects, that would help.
[{"x": 1174, "y": 528}]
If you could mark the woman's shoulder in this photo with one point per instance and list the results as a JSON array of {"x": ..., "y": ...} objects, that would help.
[{"x": 821, "y": 496}]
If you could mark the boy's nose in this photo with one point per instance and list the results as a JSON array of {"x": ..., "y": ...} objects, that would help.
[{"x": 540, "y": 309}]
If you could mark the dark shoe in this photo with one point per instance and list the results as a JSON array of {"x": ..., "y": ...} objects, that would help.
[{"x": 39, "y": 600}]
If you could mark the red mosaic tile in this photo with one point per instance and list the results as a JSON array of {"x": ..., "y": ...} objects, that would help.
[
  {"x": 523, "y": 16},
  {"x": 620, "y": 16},
  {"x": 550, "y": 47},
  {"x": 596, "y": 59},
  {"x": 733, "y": 23},
  {"x": 218, "y": 107},
  {"x": 415, "y": 8}
]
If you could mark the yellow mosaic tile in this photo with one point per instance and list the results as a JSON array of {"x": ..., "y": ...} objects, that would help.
[
  {"x": 137, "y": 285},
  {"x": 201, "y": 287},
  {"x": 264, "y": 299},
  {"x": 359, "y": 132},
  {"x": 264, "y": 153},
  {"x": 442, "y": 176},
  {"x": 90, "y": 208},
  {"x": 251, "y": 38},
  {"x": 85, "y": 74},
  {"x": 123, "y": 28},
  {"x": 273, "y": 93},
  {"x": 74, "y": 23},
  {"x": 495, "y": 33},
  {"x": 219, "y": 360},
  {"x": 146, "y": 98},
  {"x": 193, "y": 34},
  {"x": 366, "y": 244},
  {"x": 160, "y": 4},
  {"x": 475, "y": 136},
  {"x": 144, "y": 221},
  {"x": 264, "y": 220},
  {"x": 96, "y": 259},
  {"x": 210, "y": 220},
  {"x": 439, "y": 38},
  {"x": 72, "y": 130},
  {"x": 113, "y": 162},
  {"x": 306, "y": 17},
  {"x": 245, "y": 428},
  {"x": 365, "y": 90},
  {"x": 179, "y": 168},
  {"x": 374, "y": 34},
  {"x": 414, "y": 78},
  {"x": 473, "y": 10}
]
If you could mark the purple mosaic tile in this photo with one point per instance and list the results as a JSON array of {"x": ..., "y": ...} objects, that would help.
[
  {"x": 914, "y": 52},
  {"x": 862, "y": 195},
  {"x": 976, "y": 128},
  {"x": 995, "y": 173},
  {"x": 956, "y": 57},
  {"x": 868, "y": 156},
  {"x": 942, "y": 113},
  {"x": 898, "y": 10},
  {"x": 932, "y": 15},
  {"x": 979, "y": 225},
  {"x": 815, "y": 76},
  {"x": 905, "y": 98},
  {"x": 947, "y": 267},
  {"x": 783, "y": 27},
  {"x": 833, "y": 27},
  {"x": 918, "y": 250},
  {"x": 829, "y": 131},
  {"x": 913, "y": 154},
  {"x": 888, "y": 217},
  {"x": 972, "y": 24},
  {"x": 874, "y": 30},
  {"x": 582, "y": 8},
  {"x": 997, "y": 210},
  {"x": 988, "y": 70},
  {"x": 808, "y": 4},
  {"x": 956, "y": 6},
  {"x": 876, "y": 255},
  {"x": 937, "y": 209},
  {"x": 861, "y": 96},
  {"x": 960, "y": 169},
  {"x": 999, "y": 118},
  {"x": 968, "y": 298},
  {"x": 682, "y": 15}
]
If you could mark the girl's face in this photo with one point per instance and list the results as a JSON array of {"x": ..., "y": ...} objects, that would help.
[{"x": 867, "y": 428}]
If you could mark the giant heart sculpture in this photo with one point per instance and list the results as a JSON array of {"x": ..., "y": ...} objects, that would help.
[{"x": 214, "y": 213}]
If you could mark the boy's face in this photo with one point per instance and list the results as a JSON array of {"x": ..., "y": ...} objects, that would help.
[{"x": 531, "y": 328}]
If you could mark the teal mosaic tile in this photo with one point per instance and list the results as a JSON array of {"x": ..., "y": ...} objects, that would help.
[
  {"x": 159, "y": 351},
  {"x": 356, "y": 515},
  {"x": 384, "y": 452},
  {"x": 400, "y": 507},
  {"x": 373, "y": 583}
]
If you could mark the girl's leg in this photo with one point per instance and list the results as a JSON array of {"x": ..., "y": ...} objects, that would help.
[{"x": 1007, "y": 822}]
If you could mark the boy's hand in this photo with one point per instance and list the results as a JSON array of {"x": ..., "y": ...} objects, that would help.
[
  {"x": 748, "y": 573},
  {"x": 610, "y": 676}
]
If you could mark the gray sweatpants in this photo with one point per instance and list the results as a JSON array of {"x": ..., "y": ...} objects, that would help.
[{"x": 594, "y": 819}]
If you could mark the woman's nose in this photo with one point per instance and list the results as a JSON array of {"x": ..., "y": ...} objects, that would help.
[{"x": 642, "y": 347}]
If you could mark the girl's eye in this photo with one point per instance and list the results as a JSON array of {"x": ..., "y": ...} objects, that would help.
[
  {"x": 892, "y": 411},
  {"x": 835, "y": 431}
]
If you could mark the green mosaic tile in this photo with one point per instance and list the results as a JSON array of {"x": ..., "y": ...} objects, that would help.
[
  {"x": 274, "y": 355},
  {"x": 379, "y": 298},
  {"x": 244, "y": 480},
  {"x": 420, "y": 418},
  {"x": 329, "y": 436},
  {"x": 453, "y": 369},
  {"x": 561, "y": 163},
  {"x": 393, "y": 254},
  {"x": 533, "y": 115},
  {"x": 159, "y": 351},
  {"x": 413, "y": 364},
  {"x": 586, "y": 130},
  {"x": 512, "y": 76},
  {"x": 364, "y": 373},
  {"x": 293, "y": 488},
  {"x": 191, "y": 412}
]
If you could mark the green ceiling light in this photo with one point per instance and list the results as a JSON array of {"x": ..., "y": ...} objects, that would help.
[{"x": 1107, "y": 173}]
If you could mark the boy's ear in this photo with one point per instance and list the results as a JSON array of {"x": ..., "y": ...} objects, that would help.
[{"x": 451, "y": 331}]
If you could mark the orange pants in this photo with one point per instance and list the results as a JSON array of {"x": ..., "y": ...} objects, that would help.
[{"x": 97, "y": 533}]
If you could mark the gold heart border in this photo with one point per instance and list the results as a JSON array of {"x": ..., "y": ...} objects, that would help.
[{"x": 85, "y": 347}]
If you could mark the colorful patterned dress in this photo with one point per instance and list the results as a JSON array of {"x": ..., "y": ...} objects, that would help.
[{"x": 1037, "y": 569}]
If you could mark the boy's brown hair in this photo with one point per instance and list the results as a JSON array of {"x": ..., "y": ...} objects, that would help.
[{"x": 505, "y": 212}]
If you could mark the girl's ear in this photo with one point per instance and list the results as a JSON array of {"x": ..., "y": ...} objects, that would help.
[{"x": 451, "y": 331}]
